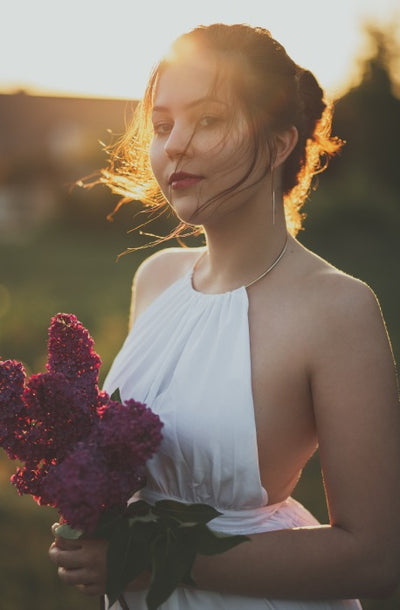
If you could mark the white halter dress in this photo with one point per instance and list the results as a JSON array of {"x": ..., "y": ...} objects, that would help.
[{"x": 188, "y": 358}]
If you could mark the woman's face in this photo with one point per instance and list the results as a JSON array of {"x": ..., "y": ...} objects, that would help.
[{"x": 197, "y": 150}]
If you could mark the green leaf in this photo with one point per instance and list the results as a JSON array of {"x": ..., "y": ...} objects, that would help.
[
  {"x": 163, "y": 539},
  {"x": 189, "y": 580},
  {"x": 108, "y": 523},
  {"x": 117, "y": 552},
  {"x": 172, "y": 561},
  {"x": 185, "y": 513},
  {"x": 140, "y": 511},
  {"x": 128, "y": 556},
  {"x": 116, "y": 396},
  {"x": 65, "y": 531},
  {"x": 142, "y": 536},
  {"x": 137, "y": 508}
]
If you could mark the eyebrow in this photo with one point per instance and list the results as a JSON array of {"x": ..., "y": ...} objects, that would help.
[{"x": 194, "y": 103}]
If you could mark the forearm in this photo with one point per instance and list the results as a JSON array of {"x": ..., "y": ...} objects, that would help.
[{"x": 308, "y": 563}]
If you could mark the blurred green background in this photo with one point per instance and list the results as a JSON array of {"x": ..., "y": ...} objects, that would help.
[{"x": 58, "y": 253}]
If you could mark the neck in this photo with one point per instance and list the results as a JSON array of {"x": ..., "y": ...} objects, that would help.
[{"x": 241, "y": 248}]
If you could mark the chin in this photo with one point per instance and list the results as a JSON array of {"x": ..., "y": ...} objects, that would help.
[{"x": 186, "y": 212}]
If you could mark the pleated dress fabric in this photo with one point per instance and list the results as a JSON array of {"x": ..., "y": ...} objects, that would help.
[{"x": 188, "y": 358}]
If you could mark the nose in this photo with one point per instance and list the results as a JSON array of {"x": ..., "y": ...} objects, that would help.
[{"x": 179, "y": 142}]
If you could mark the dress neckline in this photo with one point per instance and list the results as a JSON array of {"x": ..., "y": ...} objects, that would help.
[{"x": 209, "y": 295}]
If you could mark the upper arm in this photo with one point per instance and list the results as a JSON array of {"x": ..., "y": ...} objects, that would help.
[
  {"x": 144, "y": 285},
  {"x": 138, "y": 288},
  {"x": 357, "y": 414}
]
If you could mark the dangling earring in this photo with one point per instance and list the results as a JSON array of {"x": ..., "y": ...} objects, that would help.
[{"x": 273, "y": 195}]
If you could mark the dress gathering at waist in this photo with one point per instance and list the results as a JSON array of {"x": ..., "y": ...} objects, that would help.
[{"x": 282, "y": 515}]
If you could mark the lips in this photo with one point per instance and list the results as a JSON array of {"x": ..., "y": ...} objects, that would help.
[{"x": 183, "y": 180}]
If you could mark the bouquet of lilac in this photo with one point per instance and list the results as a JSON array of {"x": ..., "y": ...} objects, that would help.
[{"x": 84, "y": 453}]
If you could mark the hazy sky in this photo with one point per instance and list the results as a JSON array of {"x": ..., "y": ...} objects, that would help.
[{"x": 107, "y": 48}]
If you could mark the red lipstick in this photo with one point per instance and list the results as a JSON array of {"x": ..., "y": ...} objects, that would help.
[{"x": 179, "y": 180}]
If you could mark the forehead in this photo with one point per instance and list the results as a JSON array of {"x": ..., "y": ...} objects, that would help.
[{"x": 187, "y": 79}]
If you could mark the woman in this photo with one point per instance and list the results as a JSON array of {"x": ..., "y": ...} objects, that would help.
[{"x": 253, "y": 350}]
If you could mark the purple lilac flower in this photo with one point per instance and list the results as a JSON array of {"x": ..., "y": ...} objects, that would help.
[
  {"x": 12, "y": 379},
  {"x": 71, "y": 353},
  {"x": 122, "y": 484},
  {"x": 128, "y": 433},
  {"x": 30, "y": 479},
  {"x": 79, "y": 487},
  {"x": 81, "y": 451},
  {"x": 104, "y": 470},
  {"x": 57, "y": 417}
]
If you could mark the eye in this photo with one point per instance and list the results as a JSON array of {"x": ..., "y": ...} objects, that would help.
[
  {"x": 209, "y": 120},
  {"x": 162, "y": 128}
]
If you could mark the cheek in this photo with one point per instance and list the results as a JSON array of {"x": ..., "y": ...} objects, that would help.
[
  {"x": 158, "y": 160},
  {"x": 232, "y": 159},
  {"x": 156, "y": 156},
  {"x": 153, "y": 155}
]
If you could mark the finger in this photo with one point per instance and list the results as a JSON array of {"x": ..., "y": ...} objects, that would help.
[
  {"x": 69, "y": 560},
  {"x": 54, "y": 527},
  {"x": 74, "y": 577},
  {"x": 66, "y": 544},
  {"x": 82, "y": 579},
  {"x": 53, "y": 553}
]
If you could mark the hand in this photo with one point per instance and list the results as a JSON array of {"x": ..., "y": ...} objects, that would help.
[{"x": 81, "y": 563}]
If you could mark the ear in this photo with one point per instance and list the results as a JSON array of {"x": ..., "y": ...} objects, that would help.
[{"x": 285, "y": 141}]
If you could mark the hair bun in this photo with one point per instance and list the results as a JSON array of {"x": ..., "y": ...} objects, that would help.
[{"x": 311, "y": 99}]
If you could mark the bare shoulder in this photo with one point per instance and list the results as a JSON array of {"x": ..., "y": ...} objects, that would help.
[
  {"x": 333, "y": 295},
  {"x": 157, "y": 273},
  {"x": 334, "y": 314},
  {"x": 342, "y": 319},
  {"x": 164, "y": 267}
]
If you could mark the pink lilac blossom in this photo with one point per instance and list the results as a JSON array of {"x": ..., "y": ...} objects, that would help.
[{"x": 81, "y": 451}]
